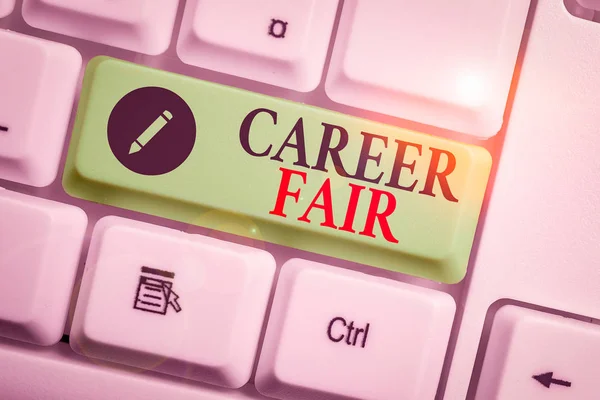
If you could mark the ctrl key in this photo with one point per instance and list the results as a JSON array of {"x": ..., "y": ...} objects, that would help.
[{"x": 341, "y": 334}]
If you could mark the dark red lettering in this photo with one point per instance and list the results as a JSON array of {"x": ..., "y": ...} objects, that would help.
[
  {"x": 245, "y": 131},
  {"x": 326, "y": 206},
  {"x": 352, "y": 205},
  {"x": 442, "y": 176},
  {"x": 333, "y": 151},
  {"x": 399, "y": 164},
  {"x": 365, "y": 156},
  {"x": 373, "y": 215},
  {"x": 300, "y": 145},
  {"x": 284, "y": 191}
]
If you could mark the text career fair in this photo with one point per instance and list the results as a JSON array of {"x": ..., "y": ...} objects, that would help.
[{"x": 334, "y": 141}]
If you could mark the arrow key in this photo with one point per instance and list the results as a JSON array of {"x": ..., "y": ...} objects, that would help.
[
  {"x": 548, "y": 380},
  {"x": 539, "y": 356}
]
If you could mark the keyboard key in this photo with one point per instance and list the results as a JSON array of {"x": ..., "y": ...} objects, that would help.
[
  {"x": 143, "y": 26},
  {"x": 537, "y": 356},
  {"x": 6, "y": 7},
  {"x": 590, "y": 4},
  {"x": 38, "y": 79},
  {"x": 317, "y": 180},
  {"x": 348, "y": 335},
  {"x": 56, "y": 372},
  {"x": 577, "y": 10},
  {"x": 442, "y": 63},
  {"x": 40, "y": 244},
  {"x": 283, "y": 43},
  {"x": 180, "y": 304}
]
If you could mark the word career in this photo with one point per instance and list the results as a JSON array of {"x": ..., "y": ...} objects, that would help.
[{"x": 334, "y": 141}]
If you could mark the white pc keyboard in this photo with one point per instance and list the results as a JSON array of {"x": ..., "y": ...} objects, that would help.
[{"x": 299, "y": 199}]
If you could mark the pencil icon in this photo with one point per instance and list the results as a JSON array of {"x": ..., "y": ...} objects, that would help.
[{"x": 150, "y": 132}]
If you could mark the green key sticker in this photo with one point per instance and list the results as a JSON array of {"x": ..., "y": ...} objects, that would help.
[{"x": 275, "y": 170}]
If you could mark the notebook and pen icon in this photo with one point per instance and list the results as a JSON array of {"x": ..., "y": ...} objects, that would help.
[{"x": 155, "y": 292}]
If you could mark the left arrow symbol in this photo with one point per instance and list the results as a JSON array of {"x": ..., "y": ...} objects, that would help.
[{"x": 547, "y": 380}]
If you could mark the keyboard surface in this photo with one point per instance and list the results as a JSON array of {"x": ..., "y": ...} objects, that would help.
[{"x": 299, "y": 199}]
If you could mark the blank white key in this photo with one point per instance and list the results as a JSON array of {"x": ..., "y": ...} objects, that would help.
[
  {"x": 283, "y": 43},
  {"x": 6, "y": 7},
  {"x": 38, "y": 79},
  {"x": 538, "y": 356},
  {"x": 40, "y": 245},
  {"x": 348, "y": 335},
  {"x": 181, "y": 304},
  {"x": 443, "y": 63},
  {"x": 144, "y": 26}
]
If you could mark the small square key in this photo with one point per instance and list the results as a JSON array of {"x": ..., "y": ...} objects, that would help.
[
  {"x": 282, "y": 43},
  {"x": 163, "y": 300},
  {"x": 40, "y": 245},
  {"x": 346, "y": 335},
  {"x": 38, "y": 79}
]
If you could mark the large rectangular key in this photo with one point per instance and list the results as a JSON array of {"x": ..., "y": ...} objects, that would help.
[
  {"x": 448, "y": 64},
  {"x": 274, "y": 170},
  {"x": 31, "y": 373}
]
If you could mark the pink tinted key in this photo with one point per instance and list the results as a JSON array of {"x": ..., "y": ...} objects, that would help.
[
  {"x": 144, "y": 26},
  {"x": 341, "y": 334},
  {"x": 282, "y": 43},
  {"x": 443, "y": 63},
  {"x": 38, "y": 79},
  {"x": 164, "y": 300},
  {"x": 6, "y": 7},
  {"x": 538, "y": 356},
  {"x": 40, "y": 244},
  {"x": 590, "y": 4},
  {"x": 56, "y": 373}
]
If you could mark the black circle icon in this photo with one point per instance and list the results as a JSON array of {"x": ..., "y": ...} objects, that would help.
[{"x": 151, "y": 131}]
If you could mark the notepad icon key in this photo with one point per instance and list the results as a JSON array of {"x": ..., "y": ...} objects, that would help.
[{"x": 155, "y": 292}]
